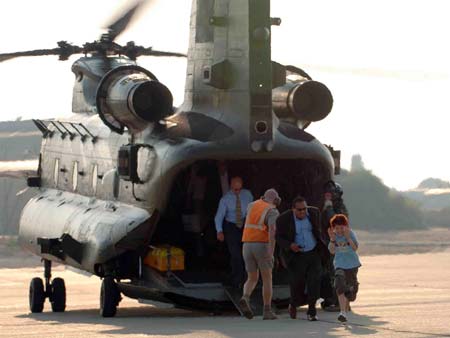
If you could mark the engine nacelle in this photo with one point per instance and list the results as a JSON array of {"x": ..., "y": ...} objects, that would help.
[
  {"x": 305, "y": 100},
  {"x": 130, "y": 96}
]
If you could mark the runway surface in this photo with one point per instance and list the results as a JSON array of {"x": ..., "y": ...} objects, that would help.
[{"x": 400, "y": 296}]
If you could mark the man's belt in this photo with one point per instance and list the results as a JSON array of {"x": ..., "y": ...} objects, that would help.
[{"x": 233, "y": 223}]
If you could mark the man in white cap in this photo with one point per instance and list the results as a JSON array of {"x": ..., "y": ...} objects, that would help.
[{"x": 259, "y": 244}]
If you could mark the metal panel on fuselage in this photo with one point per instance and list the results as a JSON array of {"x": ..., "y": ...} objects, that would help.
[{"x": 97, "y": 225}]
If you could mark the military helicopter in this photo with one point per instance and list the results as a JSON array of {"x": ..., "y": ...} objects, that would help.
[{"x": 113, "y": 177}]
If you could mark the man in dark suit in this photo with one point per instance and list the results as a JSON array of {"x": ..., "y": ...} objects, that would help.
[{"x": 298, "y": 234}]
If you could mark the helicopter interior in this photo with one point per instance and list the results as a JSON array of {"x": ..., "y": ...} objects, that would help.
[{"x": 188, "y": 221}]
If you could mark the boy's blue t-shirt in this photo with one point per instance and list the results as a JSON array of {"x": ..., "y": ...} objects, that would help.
[{"x": 345, "y": 257}]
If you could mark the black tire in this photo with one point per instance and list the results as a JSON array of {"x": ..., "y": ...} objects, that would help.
[
  {"x": 36, "y": 295},
  {"x": 58, "y": 295},
  {"x": 109, "y": 297}
]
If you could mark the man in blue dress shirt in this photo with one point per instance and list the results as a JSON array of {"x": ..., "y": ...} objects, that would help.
[
  {"x": 229, "y": 221},
  {"x": 298, "y": 234}
]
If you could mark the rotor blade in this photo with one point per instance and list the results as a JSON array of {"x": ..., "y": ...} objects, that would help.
[
  {"x": 64, "y": 51},
  {"x": 4, "y": 57},
  {"x": 119, "y": 25},
  {"x": 37, "y": 52},
  {"x": 153, "y": 52}
]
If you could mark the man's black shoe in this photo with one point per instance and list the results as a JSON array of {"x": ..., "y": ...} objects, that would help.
[
  {"x": 312, "y": 310},
  {"x": 312, "y": 318},
  {"x": 292, "y": 311},
  {"x": 312, "y": 313}
]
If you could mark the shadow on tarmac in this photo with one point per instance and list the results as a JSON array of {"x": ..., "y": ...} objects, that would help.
[{"x": 169, "y": 322}]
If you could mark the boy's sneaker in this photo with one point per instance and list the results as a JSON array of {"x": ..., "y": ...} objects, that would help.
[
  {"x": 342, "y": 317},
  {"x": 245, "y": 308}
]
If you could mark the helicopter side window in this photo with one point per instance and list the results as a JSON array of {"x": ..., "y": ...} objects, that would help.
[
  {"x": 56, "y": 172},
  {"x": 94, "y": 178},
  {"x": 75, "y": 176}
]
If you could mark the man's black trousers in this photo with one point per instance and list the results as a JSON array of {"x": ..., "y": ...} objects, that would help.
[
  {"x": 233, "y": 238},
  {"x": 304, "y": 269}
]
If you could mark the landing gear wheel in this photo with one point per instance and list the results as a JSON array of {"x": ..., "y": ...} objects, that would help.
[
  {"x": 109, "y": 297},
  {"x": 58, "y": 295},
  {"x": 36, "y": 295}
]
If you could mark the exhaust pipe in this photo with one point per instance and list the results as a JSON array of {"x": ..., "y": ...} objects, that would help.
[
  {"x": 307, "y": 100},
  {"x": 130, "y": 96}
]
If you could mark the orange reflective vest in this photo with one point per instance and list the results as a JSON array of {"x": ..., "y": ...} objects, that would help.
[{"x": 255, "y": 229}]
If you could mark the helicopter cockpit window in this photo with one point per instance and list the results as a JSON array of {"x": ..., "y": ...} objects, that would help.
[
  {"x": 56, "y": 172},
  {"x": 75, "y": 176},
  {"x": 94, "y": 178}
]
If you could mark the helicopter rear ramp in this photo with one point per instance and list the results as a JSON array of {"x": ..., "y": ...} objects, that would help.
[
  {"x": 168, "y": 287},
  {"x": 256, "y": 302}
]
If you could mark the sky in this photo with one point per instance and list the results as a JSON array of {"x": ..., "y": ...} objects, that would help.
[{"x": 385, "y": 61}]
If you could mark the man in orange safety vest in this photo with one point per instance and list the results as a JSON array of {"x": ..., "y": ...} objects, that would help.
[{"x": 259, "y": 244}]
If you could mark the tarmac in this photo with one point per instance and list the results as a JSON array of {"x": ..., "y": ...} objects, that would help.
[{"x": 400, "y": 296}]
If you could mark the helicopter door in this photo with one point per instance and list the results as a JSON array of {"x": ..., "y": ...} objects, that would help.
[
  {"x": 136, "y": 162},
  {"x": 128, "y": 163}
]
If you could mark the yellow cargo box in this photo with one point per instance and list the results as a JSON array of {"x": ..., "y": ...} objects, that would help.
[{"x": 165, "y": 258}]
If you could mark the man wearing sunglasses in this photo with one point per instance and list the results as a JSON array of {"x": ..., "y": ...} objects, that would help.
[{"x": 298, "y": 234}]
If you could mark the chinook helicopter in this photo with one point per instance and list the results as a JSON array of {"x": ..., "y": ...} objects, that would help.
[{"x": 112, "y": 179}]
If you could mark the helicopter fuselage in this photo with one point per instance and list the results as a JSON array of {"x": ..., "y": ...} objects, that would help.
[{"x": 107, "y": 173}]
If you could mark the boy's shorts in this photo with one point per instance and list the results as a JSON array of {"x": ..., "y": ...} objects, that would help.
[{"x": 346, "y": 282}]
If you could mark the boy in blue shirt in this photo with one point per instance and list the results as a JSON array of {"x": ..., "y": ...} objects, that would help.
[{"x": 343, "y": 245}]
